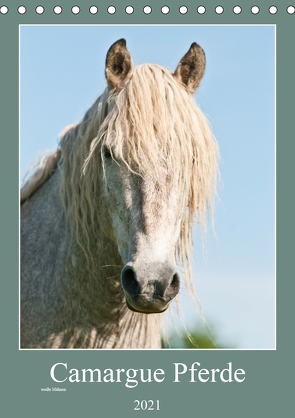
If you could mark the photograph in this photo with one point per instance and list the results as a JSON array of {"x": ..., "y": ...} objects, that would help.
[{"x": 147, "y": 187}]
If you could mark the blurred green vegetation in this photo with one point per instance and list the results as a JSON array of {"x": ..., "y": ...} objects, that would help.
[{"x": 200, "y": 337}]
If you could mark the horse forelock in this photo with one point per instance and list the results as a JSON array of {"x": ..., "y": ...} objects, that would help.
[{"x": 154, "y": 121}]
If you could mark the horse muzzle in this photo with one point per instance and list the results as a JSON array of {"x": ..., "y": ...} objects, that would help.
[{"x": 149, "y": 290}]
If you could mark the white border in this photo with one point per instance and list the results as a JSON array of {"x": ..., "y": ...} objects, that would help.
[{"x": 275, "y": 266}]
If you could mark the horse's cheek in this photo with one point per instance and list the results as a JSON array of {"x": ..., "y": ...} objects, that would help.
[
  {"x": 118, "y": 229},
  {"x": 122, "y": 242},
  {"x": 106, "y": 216}
]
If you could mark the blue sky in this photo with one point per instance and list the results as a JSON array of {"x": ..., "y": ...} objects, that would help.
[{"x": 62, "y": 73}]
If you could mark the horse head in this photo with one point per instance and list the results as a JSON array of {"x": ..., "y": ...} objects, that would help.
[{"x": 151, "y": 145}]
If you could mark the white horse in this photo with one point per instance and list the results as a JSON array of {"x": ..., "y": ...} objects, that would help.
[{"x": 105, "y": 217}]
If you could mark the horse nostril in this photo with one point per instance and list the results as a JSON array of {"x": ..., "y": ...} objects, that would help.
[
  {"x": 175, "y": 283},
  {"x": 129, "y": 281}
]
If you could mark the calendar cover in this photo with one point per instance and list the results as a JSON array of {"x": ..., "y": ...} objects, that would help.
[{"x": 146, "y": 170}]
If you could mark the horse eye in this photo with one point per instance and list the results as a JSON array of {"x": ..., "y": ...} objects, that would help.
[{"x": 107, "y": 154}]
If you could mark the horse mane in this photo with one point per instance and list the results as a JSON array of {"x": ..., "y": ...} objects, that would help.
[{"x": 153, "y": 120}]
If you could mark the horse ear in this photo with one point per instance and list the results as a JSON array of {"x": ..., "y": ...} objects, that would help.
[
  {"x": 191, "y": 68},
  {"x": 119, "y": 65}
]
